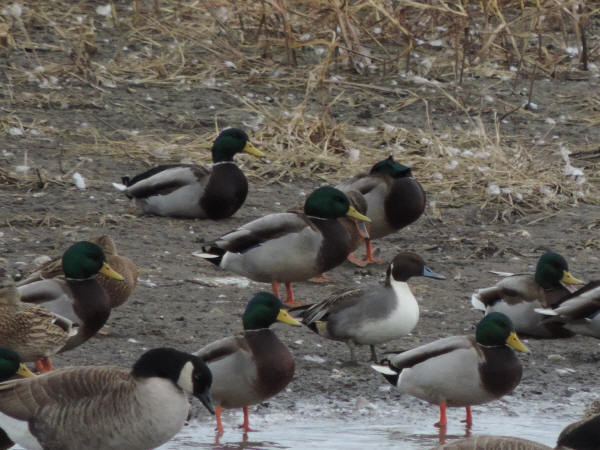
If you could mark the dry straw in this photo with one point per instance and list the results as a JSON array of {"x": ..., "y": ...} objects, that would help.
[{"x": 294, "y": 72}]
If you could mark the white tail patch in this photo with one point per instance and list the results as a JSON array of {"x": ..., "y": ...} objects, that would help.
[
  {"x": 476, "y": 302},
  {"x": 383, "y": 369},
  {"x": 204, "y": 255},
  {"x": 119, "y": 186}
]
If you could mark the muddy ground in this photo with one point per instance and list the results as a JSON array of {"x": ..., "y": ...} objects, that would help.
[{"x": 179, "y": 301}]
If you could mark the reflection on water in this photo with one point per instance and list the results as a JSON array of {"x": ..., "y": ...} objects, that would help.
[{"x": 408, "y": 426}]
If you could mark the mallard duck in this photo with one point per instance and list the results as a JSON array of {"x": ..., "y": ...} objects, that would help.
[
  {"x": 519, "y": 296},
  {"x": 189, "y": 190},
  {"x": 394, "y": 199},
  {"x": 254, "y": 365},
  {"x": 371, "y": 315},
  {"x": 105, "y": 406},
  {"x": 10, "y": 365},
  {"x": 118, "y": 290},
  {"x": 30, "y": 330},
  {"x": 79, "y": 297},
  {"x": 289, "y": 246},
  {"x": 581, "y": 435},
  {"x": 578, "y": 312},
  {"x": 460, "y": 370}
]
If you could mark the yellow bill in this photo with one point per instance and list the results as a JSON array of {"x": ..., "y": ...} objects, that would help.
[
  {"x": 285, "y": 317},
  {"x": 352, "y": 212},
  {"x": 110, "y": 272},
  {"x": 252, "y": 150},
  {"x": 513, "y": 341},
  {"x": 570, "y": 279},
  {"x": 24, "y": 371}
]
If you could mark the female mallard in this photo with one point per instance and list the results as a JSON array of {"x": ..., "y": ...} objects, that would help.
[
  {"x": 118, "y": 290},
  {"x": 394, "y": 199},
  {"x": 371, "y": 315},
  {"x": 189, "y": 190},
  {"x": 519, "y": 296},
  {"x": 79, "y": 297},
  {"x": 460, "y": 370},
  {"x": 30, "y": 330},
  {"x": 10, "y": 365},
  {"x": 105, "y": 407},
  {"x": 578, "y": 312},
  {"x": 252, "y": 366},
  {"x": 290, "y": 246}
]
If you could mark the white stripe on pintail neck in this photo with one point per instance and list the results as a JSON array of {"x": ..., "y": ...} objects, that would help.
[{"x": 408, "y": 307}]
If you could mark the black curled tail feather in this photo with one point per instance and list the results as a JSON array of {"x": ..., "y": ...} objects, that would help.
[{"x": 126, "y": 181}]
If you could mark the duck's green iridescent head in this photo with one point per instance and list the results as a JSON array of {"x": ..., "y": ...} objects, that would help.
[
  {"x": 496, "y": 329},
  {"x": 85, "y": 259},
  {"x": 263, "y": 311},
  {"x": 10, "y": 365},
  {"x": 230, "y": 142},
  {"x": 328, "y": 202},
  {"x": 392, "y": 168},
  {"x": 552, "y": 269}
]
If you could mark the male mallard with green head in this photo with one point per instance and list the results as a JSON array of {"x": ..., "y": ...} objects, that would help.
[
  {"x": 193, "y": 191},
  {"x": 118, "y": 290},
  {"x": 371, "y": 315},
  {"x": 519, "y": 296},
  {"x": 106, "y": 407},
  {"x": 460, "y": 370},
  {"x": 79, "y": 297},
  {"x": 394, "y": 199},
  {"x": 290, "y": 246},
  {"x": 252, "y": 366}
]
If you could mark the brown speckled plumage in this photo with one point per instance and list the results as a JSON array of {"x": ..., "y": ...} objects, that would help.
[{"x": 30, "y": 330}]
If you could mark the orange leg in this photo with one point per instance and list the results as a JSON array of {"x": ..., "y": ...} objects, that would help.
[
  {"x": 469, "y": 419},
  {"x": 443, "y": 421},
  {"x": 220, "y": 429},
  {"x": 322, "y": 278},
  {"x": 289, "y": 300},
  {"x": 369, "y": 256},
  {"x": 357, "y": 261},
  {"x": 246, "y": 425},
  {"x": 44, "y": 365},
  {"x": 275, "y": 285}
]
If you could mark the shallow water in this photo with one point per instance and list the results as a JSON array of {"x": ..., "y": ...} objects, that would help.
[{"x": 377, "y": 426}]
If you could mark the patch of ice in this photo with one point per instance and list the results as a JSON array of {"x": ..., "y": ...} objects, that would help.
[
  {"x": 79, "y": 180},
  {"x": 314, "y": 358},
  {"x": 104, "y": 10}
]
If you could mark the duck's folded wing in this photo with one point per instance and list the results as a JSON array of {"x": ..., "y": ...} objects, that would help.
[
  {"x": 335, "y": 303},
  {"x": 51, "y": 269},
  {"x": 261, "y": 230},
  {"x": 22, "y": 398},
  {"x": 514, "y": 289},
  {"x": 163, "y": 180},
  {"x": 54, "y": 295},
  {"x": 362, "y": 183},
  {"x": 431, "y": 350},
  {"x": 578, "y": 305},
  {"x": 222, "y": 348}
]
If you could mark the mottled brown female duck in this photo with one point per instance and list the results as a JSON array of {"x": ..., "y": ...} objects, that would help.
[
  {"x": 252, "y": 366},
  {"x": 394, "y": 199},
  {"x": 193, "y": 191},
  {"x": 460, "y": 370},
  {"x": 31, "y": 331}
]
